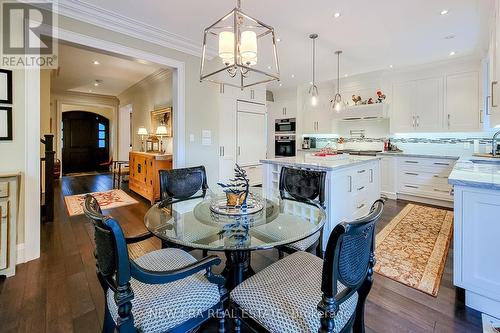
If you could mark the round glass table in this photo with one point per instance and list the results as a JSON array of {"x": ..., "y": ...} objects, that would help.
[{"x": 207, "y": 224}]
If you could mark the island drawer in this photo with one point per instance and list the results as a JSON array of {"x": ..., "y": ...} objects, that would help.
[
  {"x": 424, "y": 178},
  {"x": 432, "y": 164}
]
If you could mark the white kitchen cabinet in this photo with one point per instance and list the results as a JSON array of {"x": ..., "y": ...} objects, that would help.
[
  {"x": 417, "y": 106},
  {"x": 403, "y": 107},
  {"x": 476, "y": 259},
  {"x": 251, "y": 136},
  {"x": 317, "y": 122},
  {"x": 285, "y": 109},
  {"x": 424, "y": 177},
  {"x": 227, "y": 138},
  {"x": 462, "y": 102},
  {"x": 388, "y": 176},
  {"x": 493, "y": 99},
  {"x": 429, "y": 105}
]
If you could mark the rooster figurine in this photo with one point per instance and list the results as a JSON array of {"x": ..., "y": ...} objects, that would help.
[{"x": 380, "y": 97}]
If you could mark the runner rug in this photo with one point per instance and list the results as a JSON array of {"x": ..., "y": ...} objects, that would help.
[
  {"x": 107, "y": 200},
  {"x": 413, "y": 247}
]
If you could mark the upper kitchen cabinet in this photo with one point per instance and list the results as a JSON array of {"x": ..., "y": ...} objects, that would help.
[
  {"x": 251, "y": 94},
  {"x": 403, "y": 107},
  {"x": 285, "y": 109},
  {"x": 448, "y": 102},
  {"x": 462, "y": 102},
  {"x": 429, "y": 105},
  {"x": 417, "y": 106},
  {"x": 492, "y": 104}
]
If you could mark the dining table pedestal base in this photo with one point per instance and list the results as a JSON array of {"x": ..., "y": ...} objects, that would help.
[{"x": 237, "y": 267}]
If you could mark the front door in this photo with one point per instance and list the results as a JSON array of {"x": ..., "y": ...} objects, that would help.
[{"x": 85, "y": 142}]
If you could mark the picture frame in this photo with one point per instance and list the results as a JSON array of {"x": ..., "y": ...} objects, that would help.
[
  {"x": 162, "y": 116},
  {"x": 5, "y": 123},
  {"x": 5, "y": 86}
]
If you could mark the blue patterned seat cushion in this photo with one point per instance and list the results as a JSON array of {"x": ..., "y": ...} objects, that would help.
[
  {"x": 284, "y": 296},
  {"x": 161, "y": 307}
]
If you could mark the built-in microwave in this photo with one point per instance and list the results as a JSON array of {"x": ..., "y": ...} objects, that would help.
[
  {"x": 284, "y": 146},
  {"x": 284, "y": 126}
]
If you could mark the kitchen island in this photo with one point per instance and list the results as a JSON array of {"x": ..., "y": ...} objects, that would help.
[
  {"x": 476, "y": 254},
  {"x": 352, "y": 184}
]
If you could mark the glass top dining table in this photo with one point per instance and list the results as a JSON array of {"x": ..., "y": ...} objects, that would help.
[{"x": 268, "y": 223}]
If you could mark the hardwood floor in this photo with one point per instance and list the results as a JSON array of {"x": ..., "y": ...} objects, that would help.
[{"x": 60, "y": 293}]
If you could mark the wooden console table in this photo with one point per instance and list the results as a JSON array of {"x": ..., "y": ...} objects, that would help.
[{"x": 144, "y": 178}]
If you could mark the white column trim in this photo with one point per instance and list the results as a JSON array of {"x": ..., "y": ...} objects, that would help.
[{"x": 32, "y": 167}]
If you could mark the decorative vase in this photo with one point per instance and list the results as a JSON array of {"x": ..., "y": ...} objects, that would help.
[{"x": 235, "y": 199}]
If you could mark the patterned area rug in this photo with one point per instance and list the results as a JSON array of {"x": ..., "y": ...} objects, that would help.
[
  {"x": 413, "y": 247},
  {"x": 107, "y": 200}
]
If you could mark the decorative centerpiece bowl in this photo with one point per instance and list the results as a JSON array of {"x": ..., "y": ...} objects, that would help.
[{"x": 238, "y": 199}]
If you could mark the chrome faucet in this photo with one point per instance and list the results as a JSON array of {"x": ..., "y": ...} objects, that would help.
[{"x": 494, "y": 143}]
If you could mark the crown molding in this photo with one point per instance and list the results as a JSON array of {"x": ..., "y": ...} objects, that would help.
[
  {"x": 109, "y": 20},
  {"x": 159, "y": 75}
]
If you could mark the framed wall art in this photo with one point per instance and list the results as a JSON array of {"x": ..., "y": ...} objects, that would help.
[
  {"x": 5, "y": 123},
  {"x": 5, "y": 86},
  {"x": 162, "y": 117}
]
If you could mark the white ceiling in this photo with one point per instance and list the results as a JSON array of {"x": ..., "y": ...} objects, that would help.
[
  {"x": 78, "y": 73},
  {"x": 372, "y": 34}
]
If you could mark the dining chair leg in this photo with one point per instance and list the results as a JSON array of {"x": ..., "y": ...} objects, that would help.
[
  {"x": 281, "y": 254},
  {"x": 220, "y": 316},
  {"x": 237, "y": 324},
  {"x": 205, "y": 253}
]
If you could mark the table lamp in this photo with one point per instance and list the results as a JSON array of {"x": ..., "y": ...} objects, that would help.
[
  {"x": 161, "y": 131},
  {"x": 142, "y": 131}
]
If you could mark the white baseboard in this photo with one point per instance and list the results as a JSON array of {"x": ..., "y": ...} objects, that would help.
[
  {"x": 389, "y": 195},
  {"x": 429, "y": 201},
  {"x": 20, "y": 257}
]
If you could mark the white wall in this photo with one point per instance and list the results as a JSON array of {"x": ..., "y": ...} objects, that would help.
[
  {"x": 12, "y": 153},
  {"x": 152, "y": 93}
]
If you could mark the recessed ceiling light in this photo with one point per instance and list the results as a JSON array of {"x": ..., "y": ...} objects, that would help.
[
  {"x": 90, "y": 90},
  {"x": 346, "y": 75},
  {"x": 278, "y": 39},
  {"x": 452, "y": 53},
  {"x": 336, "y": 15},
  {"x": 281, "y": 84},
  {"x": 269, "y": 67},
  {"x": 450, "y": 36},
  {"x": 96, "y": 84},
  {"x": 444, "y": 12},
  {"x": 96, "y": 62},
  {"x": 293, "y": 75},
  {"x": 390, "y": 66}
]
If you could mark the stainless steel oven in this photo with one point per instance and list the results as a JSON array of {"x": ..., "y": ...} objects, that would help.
[
  {"x": 284, "y": 126},
  {"x": 284, "y": 146}
]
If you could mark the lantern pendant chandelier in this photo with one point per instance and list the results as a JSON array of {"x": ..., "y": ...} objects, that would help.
[
  {"x": 313, "y": 90},
  {"x": 238, "y": 35},
  {"x": 337, "y": 103}
]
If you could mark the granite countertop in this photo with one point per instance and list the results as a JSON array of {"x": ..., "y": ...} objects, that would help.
[
  {"x": 323, "y": 165},
  {"x": 419, "y": 155},
  {"x": 467, "y": 173}
]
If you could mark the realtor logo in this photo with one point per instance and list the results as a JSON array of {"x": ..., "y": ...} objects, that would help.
[{"x": 27, "y": 35}]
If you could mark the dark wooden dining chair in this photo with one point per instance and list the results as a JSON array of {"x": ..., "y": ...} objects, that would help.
[
  {"x": 182, "y": 184},
  {"x": 306, "y": 186},
  {"x": 164, "y": 290},
  {"x": 179, "y": 185},
  {"x": 303, "y": 293}
]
